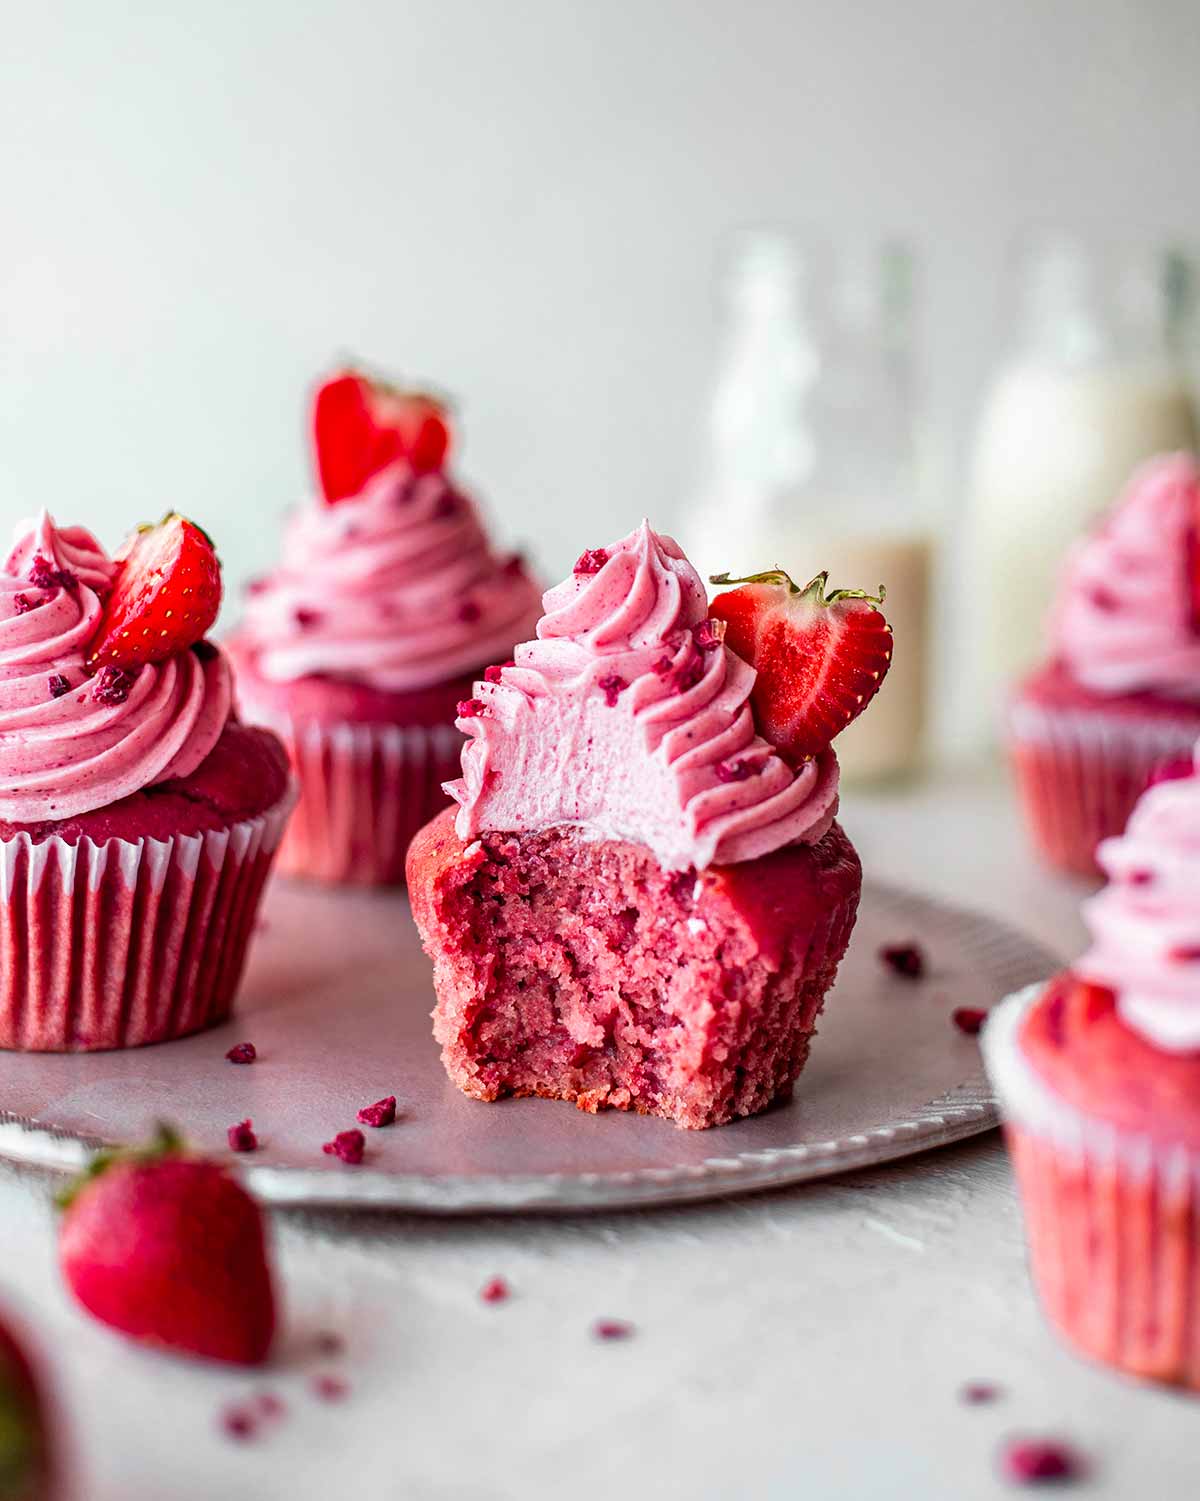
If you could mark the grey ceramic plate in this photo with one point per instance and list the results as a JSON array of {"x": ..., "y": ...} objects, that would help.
[{"x": 337, "y": 1002}]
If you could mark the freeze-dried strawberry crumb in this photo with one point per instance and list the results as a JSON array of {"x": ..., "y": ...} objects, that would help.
[
  {"x": 269, "y": 1405},
  {"x": 22, "y": 603},
  {"x": 687, "y": 676},
  {"x": 612, "y": 1329},
  {"x": 1140, "y": 877},
  {"x": 663, "y": 666},
  {"x": 1185, "y": 953},
  {"x": 492, "y": 675},
  {"x": 44, "y": 575},
  {"x": 238, "y": 1423},
  {"x": 514, "y": 565},
  {"x": 709, "y": 633},
  {"x": 329, "y": 1343},
  {"x": 612, "y": 687},
  {"x": 907, "y": 959},
  {"x": 495, "y": 1291},
  {"x": 976, "y": 1393},
  {"x": 446, "y": 506},
  {"x": 469, "y": 612},
  {"x": 591, "y": 561},
  {"x": 471, "y": 708},
  {"x": 242, "y": 1137},
  {"x": 381, "y": 1113},
  {"x": 256, "y": 586},
  {"x": 1028, "y": 1461},
  {"x": 112, "y": 685},
  {"x": 968, "y": 1019},
  {"x": 330, "y": 1388},
  {"x": 306, "y": 618},
  {"x": 347, "y": 1147},
  {"x": 738, "y": 771},
  {"x": 58, "y": 685},
  {"x": 242, "y": 1052}
]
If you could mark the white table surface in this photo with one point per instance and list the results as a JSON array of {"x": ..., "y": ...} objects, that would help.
[{"x": 808, "y": 1343}]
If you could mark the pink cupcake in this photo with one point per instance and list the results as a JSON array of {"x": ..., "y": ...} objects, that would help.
[
  {"x": 1098, "y": 1074},
  {"x": 357, "y": 649},
  {"x": 641, "y": 903},
  {"x": 1121, "y": 694},
  {"x": 138, "y": 818}
]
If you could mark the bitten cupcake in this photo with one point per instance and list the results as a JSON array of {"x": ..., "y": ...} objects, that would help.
[
  {"x": 644, "y": 896},
  {"x": 1121, "y": 694},
  {"x": 388, "y": 600},
  {"x": 138, "y": 818},
  {"x": 1098, "y": 1074}
]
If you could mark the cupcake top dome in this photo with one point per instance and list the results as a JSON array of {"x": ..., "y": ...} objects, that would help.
[
  {"x": 628, "y": 716},
  {"x": 107, "y": 686},
  {"x": 387, "y": 577},
  {"x": 1145, "y": 924},
  {"x": 1127, "y": 617}
]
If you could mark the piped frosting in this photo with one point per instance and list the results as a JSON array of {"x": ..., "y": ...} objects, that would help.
[
  {"x": 71, "y": 742},
  {"x": 397, "y": 588},
  {"x": 1145, "y": 924},
  {"x": 1123, "y": 621},
  {"x": 629, "y": 718}
]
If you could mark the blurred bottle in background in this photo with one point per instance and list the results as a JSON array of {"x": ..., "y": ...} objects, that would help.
[
  {"x": 812, "y": 457},
  {"x": 1092, "y": 385}
]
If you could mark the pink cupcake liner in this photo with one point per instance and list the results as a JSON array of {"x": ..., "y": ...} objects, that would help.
[
  {"x": 365, "y": 790},
  {"x": 1113, "y": 1220},
  {"x": 128, "y": 942},
  {"x": 1080, "y": 773}
]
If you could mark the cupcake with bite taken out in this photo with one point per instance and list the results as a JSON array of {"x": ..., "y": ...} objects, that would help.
[
  {"x": 644, "y": 895},
  {"x": 1121, "y": 694},
  {"x": 1098, "y": 1074},
  {"x": 388, "y": 600},
  {"x": 138, "y": 817}
]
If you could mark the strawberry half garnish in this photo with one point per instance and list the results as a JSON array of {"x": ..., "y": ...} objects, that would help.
[
  {"x": 820, "y": 656},
  {"x": 164, "y": 598},
  {"x": 360, "y": 426}
]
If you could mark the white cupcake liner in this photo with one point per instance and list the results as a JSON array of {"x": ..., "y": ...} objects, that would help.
[
  {"x": 365, "y": 790},
  {"x": 127, "y": 942}
]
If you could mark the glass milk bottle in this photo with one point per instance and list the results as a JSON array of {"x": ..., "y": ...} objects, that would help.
[
  {"x": 1090, "y": 388},
  {"x": 811, "y": 460}
]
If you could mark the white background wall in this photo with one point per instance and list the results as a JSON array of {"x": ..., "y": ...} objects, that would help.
[{"x": 200, "y": 204}]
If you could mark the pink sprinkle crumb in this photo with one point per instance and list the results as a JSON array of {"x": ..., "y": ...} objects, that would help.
[
  {"x": 907, "y": 959},
  {"x": 242, "y": 1137},
  {"x": 591, "y": 561},
  {"x": 709, "y": 634},
  {"x": 471, "y": 708},
  {"x": 976, "y": 1393},
  {"x": 968, "y": 1019},
  {"x": 329, "y": 1343},
  {"x": 612, "y": 687},
  {"x": 242, "y": 1052},
  {"x": 381, "y": 1113},
  {"x": 469, "y": 612},
  {"x": 330, "y": 1388},
  {"x": 347, "y": 1146},
  {"x": 238, "y": 1423},
  {"x": 495, "y": 1291},
  {"x": 58, "y": 685},
  {"x": 612, "y": 1329},
  {"x": 1030, "y": 1460},
  {"x": 305, "y": 618}
]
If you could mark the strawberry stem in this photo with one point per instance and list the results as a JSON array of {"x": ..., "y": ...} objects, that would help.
[
  {"x": 165, "y": 1142},
  {"x": 816, "y": 591}
]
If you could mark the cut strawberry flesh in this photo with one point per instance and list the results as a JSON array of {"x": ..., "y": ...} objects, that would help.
[
  {"x": 164, "y": 599},
  {"x": 361, "y": 426},
  {"x": 820, "y": 658}
]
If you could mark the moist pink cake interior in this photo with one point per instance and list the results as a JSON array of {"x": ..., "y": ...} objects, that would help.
[{"x": 583, "y": 970}]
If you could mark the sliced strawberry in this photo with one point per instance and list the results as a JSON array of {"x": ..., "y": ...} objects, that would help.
[
  {"x": 360, "y": 426},
  {"x": 165, "y": 596},
  {"x": 820, "y": 657}
]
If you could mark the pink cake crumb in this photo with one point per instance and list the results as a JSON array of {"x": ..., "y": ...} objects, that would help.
[{"x": 581, "y": 970}]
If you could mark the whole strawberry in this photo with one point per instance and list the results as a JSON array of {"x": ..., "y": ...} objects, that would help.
[
  {"x": 164, "y": 598},
  {"x": 27, "y": 1463},
  {"x": 361, "y": 425},
  {"x": 170, "y": 1250},
  {"x": 819, "y": 656}
]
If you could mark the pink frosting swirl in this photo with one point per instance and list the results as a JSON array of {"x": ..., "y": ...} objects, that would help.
[
  {"x": 1123, "y": 621},
  {"x": 629, "y": 718},
  {"x": 1145, "y": 924},
  {"x": 397, "y": 588},
  {"x": 69, "y": 742}
]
